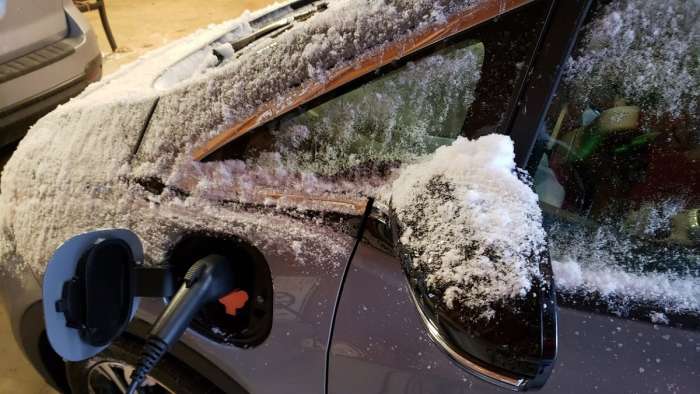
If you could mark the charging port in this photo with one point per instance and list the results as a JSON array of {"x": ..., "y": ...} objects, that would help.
[{"x": 252, "y": 321}]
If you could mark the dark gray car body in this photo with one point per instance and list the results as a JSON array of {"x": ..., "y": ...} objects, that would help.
[{"x": 380, "y": 343}]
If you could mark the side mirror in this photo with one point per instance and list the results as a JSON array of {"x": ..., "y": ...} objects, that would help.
[{"x": 474, "y": 250}]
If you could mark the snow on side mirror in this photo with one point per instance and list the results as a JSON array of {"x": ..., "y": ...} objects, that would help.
[
  {"x": 88, "y": 291},
  {"x": 469, "y": 231}
]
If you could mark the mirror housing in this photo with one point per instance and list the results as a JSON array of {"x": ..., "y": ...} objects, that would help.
[{"x": 515, "y": 349}]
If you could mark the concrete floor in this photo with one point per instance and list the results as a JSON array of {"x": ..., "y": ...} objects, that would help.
[
  {"x": 16, "y": 374},
  {"x": 138, "y": 26}
]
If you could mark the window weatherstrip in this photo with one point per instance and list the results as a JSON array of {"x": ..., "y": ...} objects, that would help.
[
  {"x": 555, "y": 45},
  {"x": 397, "y": 50}
]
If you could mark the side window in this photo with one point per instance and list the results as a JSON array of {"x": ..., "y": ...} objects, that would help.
[
  {"x": 350, "y": 140},
  {"x": 618, "y": 168},
  {"x": 398, "y": 115}
]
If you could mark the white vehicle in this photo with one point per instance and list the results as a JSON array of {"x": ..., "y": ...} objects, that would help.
[{"x": 48, "y": 54}]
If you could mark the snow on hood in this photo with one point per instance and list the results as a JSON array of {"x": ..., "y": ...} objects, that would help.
[{"x": 467, "y": 218}]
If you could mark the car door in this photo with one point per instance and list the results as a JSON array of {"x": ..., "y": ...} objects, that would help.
[
  {"x": 619, "y": 291},
  {"x": 386, "y": 340},
  {"x": 619, "y": 198},
  {"x": 351, "y": 139},
  {"x": 617, "y": 170}
]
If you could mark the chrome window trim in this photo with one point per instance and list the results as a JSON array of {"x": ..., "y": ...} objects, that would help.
[{"x": 499, "y": 379}]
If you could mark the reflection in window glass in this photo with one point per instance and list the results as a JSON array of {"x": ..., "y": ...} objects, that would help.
[{"x": 619, "y": 174}]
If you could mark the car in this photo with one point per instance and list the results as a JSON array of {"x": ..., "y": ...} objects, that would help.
[
  {"x": 48, "y": 54},
  {"x": 384, "y": 176}
]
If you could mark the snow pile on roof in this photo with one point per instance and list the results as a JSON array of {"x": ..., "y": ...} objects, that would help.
[
  {"x": 470, "y": 223},
  {"x": 676, "y": 293},
  {"x": 643, "y": 51}
]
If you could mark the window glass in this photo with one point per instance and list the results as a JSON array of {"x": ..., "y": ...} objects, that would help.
[
  {"x": 617, "y": 169},
  {"x": 331, "y": 152},
  {"x": 402, "y": 114}
]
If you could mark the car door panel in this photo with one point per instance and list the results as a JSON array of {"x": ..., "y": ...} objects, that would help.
[
  {"x": 608, "y": 354},
  {"x": 380, "y": 344},
  {"x": 292, "y": 357},
  {"x": 618, "y": 185}
]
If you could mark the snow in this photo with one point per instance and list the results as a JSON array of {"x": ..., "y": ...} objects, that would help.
[
  {"x": 467, "y": 218},
  {"x": 612, "y": 261},
  {"x": 384, "y": 121},
  {"x": 654, "y": 217},
  {"x": 270, "y": 68},
  {"x": 142, "y": 79},
  {"x": 643, "y": 51},
  {"x": 198, "y": 63},
  {"x": 76, "y": 170},
  {"x": 674, "y": 292},
  {"x": 393, "y": 119}
]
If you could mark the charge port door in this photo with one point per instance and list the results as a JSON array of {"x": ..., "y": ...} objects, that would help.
[{"x": 89, "y": 291}]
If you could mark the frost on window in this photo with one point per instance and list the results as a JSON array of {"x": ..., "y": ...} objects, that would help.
[
  {"x": 646, "y": 52},
  {"x": 628, "y": 267},
  {"x": 619, "y": 165},
  {"x": 367, "y": 131}
]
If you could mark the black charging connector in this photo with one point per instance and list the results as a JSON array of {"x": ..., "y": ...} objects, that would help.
[{"x": 207, "y": 280}]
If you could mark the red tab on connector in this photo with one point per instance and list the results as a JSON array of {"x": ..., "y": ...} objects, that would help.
[{"x": 234, "y": 301}]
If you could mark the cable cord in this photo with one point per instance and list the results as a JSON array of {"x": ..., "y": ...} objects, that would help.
[
  {"x": 207, "y": 280},
  {"x": 153, "y": 351}
]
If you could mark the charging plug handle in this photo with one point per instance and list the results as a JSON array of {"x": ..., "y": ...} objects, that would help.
[{"x": 207, "y": 280}]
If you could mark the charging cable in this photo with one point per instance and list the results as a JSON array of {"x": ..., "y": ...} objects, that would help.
[{"x": 207, "y": 280}]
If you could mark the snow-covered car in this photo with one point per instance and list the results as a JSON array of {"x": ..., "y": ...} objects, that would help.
[
  {"x": 398, "y": 182},
  {"x": 48, "y": 54}
]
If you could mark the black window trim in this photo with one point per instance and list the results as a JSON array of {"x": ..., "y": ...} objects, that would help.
[{"x": 527, "y": 116}]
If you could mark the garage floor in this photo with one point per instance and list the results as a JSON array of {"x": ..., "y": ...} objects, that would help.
[{"x": 138, "y": 27}]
